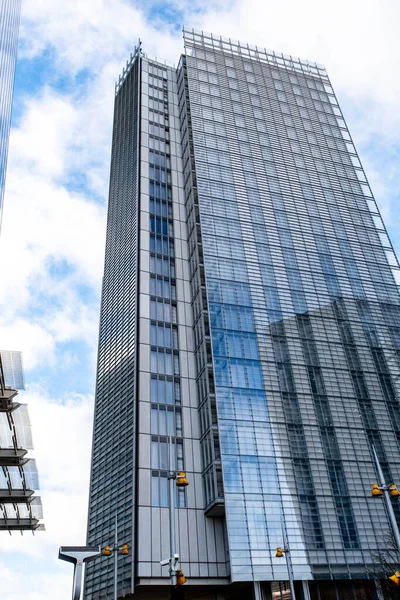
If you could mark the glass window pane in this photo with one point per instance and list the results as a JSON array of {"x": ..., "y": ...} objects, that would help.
[
  {"x": 162, "y": 421},
  {"x": 164, "y": 491},
  {"x": 155, "y": 490}
]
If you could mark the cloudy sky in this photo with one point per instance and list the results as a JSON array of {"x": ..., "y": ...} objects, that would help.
[{"x": 52, "y": 241}]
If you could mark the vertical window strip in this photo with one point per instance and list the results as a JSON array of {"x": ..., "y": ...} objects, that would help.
[{"x": 164, "y": 356}]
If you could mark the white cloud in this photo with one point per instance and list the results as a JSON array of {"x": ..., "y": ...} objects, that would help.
[
  {"x": 45, "y": 134},
  {"x": 52, "y": 241},
  {"x": 87, "y": 34},
  {"x": 36, "y": 344},
  {"x": 22, "y": 583}
]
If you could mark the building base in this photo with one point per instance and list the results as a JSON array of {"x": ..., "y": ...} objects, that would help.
[{"x": 266, "y": 590}]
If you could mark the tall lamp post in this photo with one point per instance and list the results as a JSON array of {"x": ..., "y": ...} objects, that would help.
[
  {"x": 108, "y": 550},
  {"x": 388, "y": 490},
  {"x": 175, "y": 478},
  {"x": 285, "y": 551}
]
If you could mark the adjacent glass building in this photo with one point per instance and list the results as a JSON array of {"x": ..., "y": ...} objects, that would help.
[
  {"x": 9, "y": 25},
  {"x": 250, "y": 310}
]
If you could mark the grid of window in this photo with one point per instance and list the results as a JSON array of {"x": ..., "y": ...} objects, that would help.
[
  {"x": 322, "y": 409},
  {"x": 329, "y": 440},
  {"x": 386, "y": 379},
  {"x": 296, "y": 437},
  {"x": 166, "y": 420},
  {"x": 210, "y": 446},
  {"x": 164, "y": 353}
]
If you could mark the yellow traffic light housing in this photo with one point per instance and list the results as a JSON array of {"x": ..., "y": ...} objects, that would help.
[
  {"x": 180, "y": 578},
  {"x": 181, "y": 480},
  {"x": 107, "y": 551},
  {"x": 393, "y": 491},
  {"x": 124, "y": 549},
  {"x": 395, "y": 578},
  {"x": 279, "y": 552},
  {"x": 375, "y": 490}
]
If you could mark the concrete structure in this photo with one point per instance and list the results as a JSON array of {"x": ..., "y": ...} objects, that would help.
[{"x": 250, "y": 309}]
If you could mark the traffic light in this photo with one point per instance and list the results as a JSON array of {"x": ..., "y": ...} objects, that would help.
[
  {"x": 107, "y": 551},
  {"x": 395, "y": 578},
  {"x": 393, "y": 491},
  {"x": 180, "y": 578},
  {"x": 181, "y": 480},
  {"x": 279, "y": 552},
  {"x": 124, "y": 549},
  {"x": 375, "y": 490}
]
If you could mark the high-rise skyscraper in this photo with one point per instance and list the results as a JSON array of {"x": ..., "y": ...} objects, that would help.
[
  {"x": 9, "y": 25},
  {"x": 250, "y": 310}
]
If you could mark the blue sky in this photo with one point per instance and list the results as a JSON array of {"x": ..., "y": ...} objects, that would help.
[{"x": 52, "y": 243}]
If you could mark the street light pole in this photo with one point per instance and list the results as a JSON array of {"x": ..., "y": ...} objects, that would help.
[
  {"x": 116, "y": 559},
  {"x": 108, "y": 550},
  {"x": 177, "y": 578},
  {"x": 289, "y": 564},
  {"x": 385, "y": 489},
  {"x": 171, "y": 479}
]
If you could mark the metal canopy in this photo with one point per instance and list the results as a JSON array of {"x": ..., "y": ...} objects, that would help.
[{"x": 15, "y": 496}]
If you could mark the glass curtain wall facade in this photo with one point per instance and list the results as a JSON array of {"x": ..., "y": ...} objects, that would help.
[
  {"x": 262, "y": 307},
  {"x": 9, "y": 26}
]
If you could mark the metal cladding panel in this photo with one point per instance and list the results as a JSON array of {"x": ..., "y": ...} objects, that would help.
[
  {"x": 9, "y": 26},
  {"x": 114, "y": 436}
]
